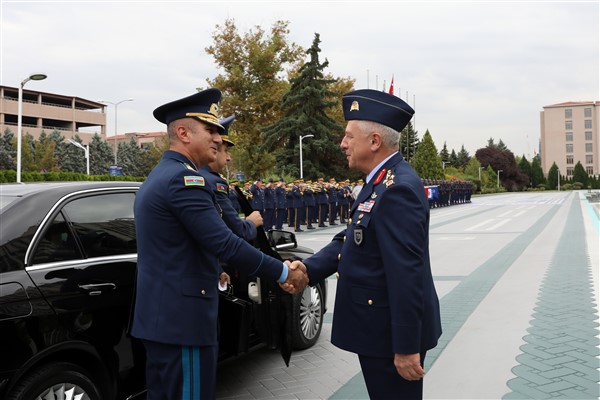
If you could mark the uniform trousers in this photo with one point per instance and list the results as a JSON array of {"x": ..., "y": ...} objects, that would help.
[
  {"x": 176, "y": 372},
  {"x": 383, "y": 381}
]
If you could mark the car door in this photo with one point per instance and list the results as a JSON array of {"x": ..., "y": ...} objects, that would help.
[{"x": 83, "y": 262}]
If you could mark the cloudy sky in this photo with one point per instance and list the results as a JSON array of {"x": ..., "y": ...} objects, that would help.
[{"x": 472, "y": 70}]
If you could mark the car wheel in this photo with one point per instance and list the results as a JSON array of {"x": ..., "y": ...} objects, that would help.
[
  {"x": 308, "y": 317},
  {"x": 58, "y": 381}
]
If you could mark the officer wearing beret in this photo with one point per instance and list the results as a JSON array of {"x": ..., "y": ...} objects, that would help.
[
  {"x": 181, "y": 237},
  {"x": 386, "y": 306},
  {"x": 245, "y": 229}
]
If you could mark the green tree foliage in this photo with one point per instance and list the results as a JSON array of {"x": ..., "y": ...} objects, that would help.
[
  {"x": 409, "y": 141},
  {"x": 444, "y": 154},
  {"x": 44, "y": 154},
  {"x": 73, "y": 158},
  {"x": 553, "y": 177},
  {"x": 426, "y": 161},
  {"x": 130, "y": 158},
  {"x": 8, "y": 153},
  {"x": 453, "y": 158},
  {"x": 525, "y": 167},
  {"x": 27, "y": 153},
  {"x": 253, "y": 82},
  {"x": 153, "y": 154},
  {"x": 101, "y": 156},
  {"x": 304, "y": 107},
  {"x": 537, "y": 174},
  {"x": 500, "y": 158},
  {"x": 462, "y": 158},
  {"x": 579, "y": 174}
]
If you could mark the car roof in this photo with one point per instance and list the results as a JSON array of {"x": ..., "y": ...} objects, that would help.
[
  {"x": 54, "y": 190},
  {"x": 22, "y": 189}
]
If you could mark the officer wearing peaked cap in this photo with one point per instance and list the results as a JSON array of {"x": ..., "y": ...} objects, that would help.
[
  {"x": 386, "y": 306},
  {"x": 181, "y": 238},
  {"x": 245, "y": 229}
]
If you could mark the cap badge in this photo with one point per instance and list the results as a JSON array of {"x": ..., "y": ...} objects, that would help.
[
  {"x": 354, "y": 106},
  {"x": 214, "y": 109}
]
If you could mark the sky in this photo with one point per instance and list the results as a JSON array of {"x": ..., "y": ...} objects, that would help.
[{"x": 472, "y": 70}]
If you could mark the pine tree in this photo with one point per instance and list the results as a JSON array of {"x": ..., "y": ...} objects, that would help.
[
  {"x": 8, "y": 154},
  {"x": 525, "y": 168},
  {"x": 411, "y": 142},
  {"x": 553, "y": 177},
  {"x": 304, "y": 113},
  {"x": 131, "y": 158},
  {"x": 426, "y": 162},
  {"x": 579, "y": 174},
  {"x": 101, "y": 156},
  {"x": 72, "y": 158},
  {"x": 537, "y": 174},
  {"x": 45, "y": 158},
  {"x": 462, "y": 158},
  {"x": 444, "y": 154}
]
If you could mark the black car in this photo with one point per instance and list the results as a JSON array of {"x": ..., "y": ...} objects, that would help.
[{"x": 67, "y": 270}]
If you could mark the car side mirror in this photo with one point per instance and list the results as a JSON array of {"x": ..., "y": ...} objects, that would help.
[{"x": 282, "y": 240}]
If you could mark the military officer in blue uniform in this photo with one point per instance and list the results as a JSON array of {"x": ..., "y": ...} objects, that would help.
[
  {"x": 244, "y": 228},
  {"x": 280, "y": 206},
  {"x": 269, "y": 204},
  {"x": 386, "y": 306},
  {"x": 181, "y": 237}
]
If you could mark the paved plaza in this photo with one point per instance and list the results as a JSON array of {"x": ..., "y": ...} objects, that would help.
[{"x": 520, "y": 323}]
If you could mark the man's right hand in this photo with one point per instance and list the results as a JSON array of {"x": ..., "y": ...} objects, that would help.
[
  {"x": 297, "y": 278},
  {"x": 255, "y": 218}
]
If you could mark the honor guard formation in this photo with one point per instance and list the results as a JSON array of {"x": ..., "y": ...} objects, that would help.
[{"x": 322, "y": 203}]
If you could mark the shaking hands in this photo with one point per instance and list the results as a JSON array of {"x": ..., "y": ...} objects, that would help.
[{"x": 297, "y": 277}]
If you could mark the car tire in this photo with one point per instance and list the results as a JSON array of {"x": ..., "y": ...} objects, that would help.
[
  {"x": 58, "y": 381},
  {"x": 308, "y": 317}
]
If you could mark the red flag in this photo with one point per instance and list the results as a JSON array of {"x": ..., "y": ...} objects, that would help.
[{"x": 392, "y": 86}]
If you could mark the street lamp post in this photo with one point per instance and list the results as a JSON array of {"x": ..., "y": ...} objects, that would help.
[
  {"x": 86, "y": 149},
  {"x": 32, "y": 77},
  {"x": 116, "y": 107},
  {"x": 498, "y": 184},
  {"x": 302, "y": 137}
]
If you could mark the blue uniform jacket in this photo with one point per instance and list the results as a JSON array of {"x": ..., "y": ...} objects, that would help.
[
  {"x": 279, "y": 198},
  {"x": 220, "y": 187},
  {"x": 385, "y": 301},
  {"x": 269, "y": 196},
  {"x": 258, "y": 198},
  {"x": 181, "y": 238}
]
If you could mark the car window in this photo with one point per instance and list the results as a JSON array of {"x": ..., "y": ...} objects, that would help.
[
  {"x": 57, "y": 244},
  {"x": 104, "y": 223}
]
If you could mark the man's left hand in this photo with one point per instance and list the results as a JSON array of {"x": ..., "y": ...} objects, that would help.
[{"x": 409, "y": 366}]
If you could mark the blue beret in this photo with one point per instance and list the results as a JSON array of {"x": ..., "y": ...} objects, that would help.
[
  {"x": 203, "y": 106},
  {"x": 225, "y": 122},
  {"x": 376, "y": 106}
]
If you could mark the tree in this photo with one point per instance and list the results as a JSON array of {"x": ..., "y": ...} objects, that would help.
[
  {"x": 131, "y": 158},
  {"x": 153, "y": 154},
  {"x": 537, "y": 174},
  {"x": 44, "y": 154},
  {"x": 408, "y": 148},
  {"x": 462, "y": 158},
  {"x": 512, "y": 178},
  {"x": 426, "y": 161},
  {"x": 525, "y": 168},
  {"x": 27, "y": 153},
  {"x": 472, "y": 171},
  {"x": 101, "y": 156},
  {"x": 253, "y": 82},
  {"x": 553, "y": 177},
  {"x": 73, "y": 157},
  {"x": 444, "y": 154},
  {"x": 579, "y": 174},
  {"x": 304, "y": 107},
  {"x": 8, "y": 154},
  {"x": 453, "y": 158}
]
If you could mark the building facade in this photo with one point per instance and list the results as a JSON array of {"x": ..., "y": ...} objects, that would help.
[
  {"x": 47, "y": 112},
  {"x": 569, "y": 134}
]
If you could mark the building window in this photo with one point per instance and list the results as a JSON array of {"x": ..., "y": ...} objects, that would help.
[
  {"x": 569, "y": 171},
  {"x": 587, "y": 112},
  {"x": 588, "y": 135},
  {"x": 569, "y": 148},
  {"x": 588, "y": 147},
  {"x": 570, "y": 159},
  {"x": 568, "y": 113},
  {"x": 588, "y": 124},
  {"x": 589, "y": 170},
  {"x": 568, "y": 125},
  {"x": 589, "y": 159},
  {"x": 569, "y": 136}
]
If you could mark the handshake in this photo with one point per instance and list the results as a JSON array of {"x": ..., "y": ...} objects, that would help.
[{"x": 297, "y": 277}]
